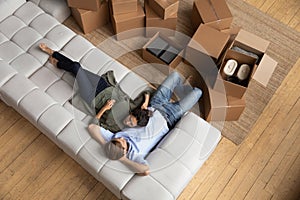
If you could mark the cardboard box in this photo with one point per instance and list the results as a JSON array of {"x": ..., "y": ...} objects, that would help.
[
  {"x": 216, "y": 106},
  {"x": 91, "y": 20},
  {"x": 155, "y": 57},
  {"x": 234, "y": 88},
  {"x": 223, "y": 108},
  {"x": 86, "y": 4},
  {"x": 123, "y": 6},
  {"x": 206, "y": 44},
  {"x": 133, "y": 23},
  {"x": 157, "y": 24},
  {"x": 164, "y": 8},
  {"x": 214, "y": 13},
  {"x": 262, "y": 68}
]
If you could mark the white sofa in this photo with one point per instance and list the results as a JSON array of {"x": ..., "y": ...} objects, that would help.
[{"x": 41, "y": 94}]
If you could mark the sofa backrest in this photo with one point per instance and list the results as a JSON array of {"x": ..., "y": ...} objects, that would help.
[{"x": 7, "y": 7}]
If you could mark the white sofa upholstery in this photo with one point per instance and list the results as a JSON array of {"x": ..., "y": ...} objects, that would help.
[{"x": 41, "y": 93}]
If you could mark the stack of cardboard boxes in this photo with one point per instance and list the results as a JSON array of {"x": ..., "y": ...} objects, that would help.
[
  {"x": 161, "y": 15},
  {"x": 223, "y": 97},
  {"x": 127, "y": 17},
  {"x": 89, "y": 14}
]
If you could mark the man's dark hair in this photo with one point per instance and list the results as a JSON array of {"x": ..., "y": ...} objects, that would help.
[{"x": 142, "y": 116}]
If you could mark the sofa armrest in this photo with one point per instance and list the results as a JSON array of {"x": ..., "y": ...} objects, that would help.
[{"x": 57, "y": 8}]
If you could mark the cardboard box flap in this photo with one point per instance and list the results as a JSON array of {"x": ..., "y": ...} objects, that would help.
[
  {"x": 252, "y": 40},
  {"x": 205, "y": 6},
  {"x": 129, "y": 16},
  {"x": 221, "y": 9},
  {"x": 265, "y": 70}
]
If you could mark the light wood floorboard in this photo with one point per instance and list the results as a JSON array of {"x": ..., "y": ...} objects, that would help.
[{"x": 265, "y": 166}]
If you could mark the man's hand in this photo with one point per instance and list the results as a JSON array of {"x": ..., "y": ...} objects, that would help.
[{"x": 146, "y": 103}]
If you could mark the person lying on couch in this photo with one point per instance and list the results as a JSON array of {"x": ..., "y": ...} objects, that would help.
[
  {"x": 98, "y": 90},
  {"x": 132, "y": 145}
]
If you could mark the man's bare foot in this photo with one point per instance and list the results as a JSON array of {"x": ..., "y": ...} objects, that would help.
[
  {"x": 46, "y": 49},
  {"x": 188, "y": 80}
]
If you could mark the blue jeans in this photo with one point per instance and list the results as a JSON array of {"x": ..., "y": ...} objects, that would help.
[
  {"x": 89, "y": 84},
  {"x": 173, "y": 111}
]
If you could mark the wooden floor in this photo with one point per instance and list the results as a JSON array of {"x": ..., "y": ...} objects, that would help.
[{"x": 265, "y": 166}]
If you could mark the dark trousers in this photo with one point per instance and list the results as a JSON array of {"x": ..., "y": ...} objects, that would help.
[{"x": 89, "y": 84}]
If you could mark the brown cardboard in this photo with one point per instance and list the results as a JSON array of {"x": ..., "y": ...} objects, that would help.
[
  {"x": 216, "y": 106},
  {"x": 123, "y": 6},
  {"x": 147, "y": 56},
  {"x": 91, "y": 20},
  {"x": 253, "y": 43},
  {"x": 219, "y": 107},
  {"x": 206, "y": 40},
  {"x": 165, "y": 26},
  {"x": 214, "y": 13},
  {"x": 164, "y": 8},
  {"x": 134, "y": 21},
  {"x": 86, "y": 4},
  {"x": 231, "y": 111},
  {"x": 231, "y": 88}
]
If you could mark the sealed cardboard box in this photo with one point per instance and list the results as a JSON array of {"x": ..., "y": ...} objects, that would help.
[
  {"x": 156, "y": 24},
  {"x": 123, "y": 6},
  {"x": 90, "y": 20},
  {"x": 207, "y": 41},
  {"x": 86, "y": 4},
  {"x": 162, "y": 50},
  {"x": 217, "y": 106},
  {"x": 133, "y": 23},
  {"x": 223, "y": 108},
  {"x": 214, "y": 13},
  {"x": 164, "y": 8},
  {"x": 250, "y": 48}
]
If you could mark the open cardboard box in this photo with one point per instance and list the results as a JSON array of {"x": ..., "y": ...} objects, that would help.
[
  {"x": 123, "y": 6},
  {"x": 214, "y": 13},
  {"x": 163, "y": 8},
  {"x": 134, "y": 21},
  {"x": 151, "y": 58},
  {"x": 156, "y": 24},
  {"x": 262, "y": 69},
  {"x": 232, "y": 88},
  {"x": 86, "y": 4},
  {"x": 90, "y": 20}
]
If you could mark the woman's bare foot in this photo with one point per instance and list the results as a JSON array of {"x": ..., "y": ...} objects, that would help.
[
  {"x": 46, "y": 49},
  {"x": 53, "y": 61}
]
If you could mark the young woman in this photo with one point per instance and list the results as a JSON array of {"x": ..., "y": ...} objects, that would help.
[{"x": 93, "y": 87}]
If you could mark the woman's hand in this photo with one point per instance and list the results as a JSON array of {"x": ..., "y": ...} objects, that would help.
[{"x": 109, "y": 104}]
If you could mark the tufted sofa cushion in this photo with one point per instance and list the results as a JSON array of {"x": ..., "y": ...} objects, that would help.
[{"x": 8, "y": 7}]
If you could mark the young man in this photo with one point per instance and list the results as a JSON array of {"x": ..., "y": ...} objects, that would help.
[
  {"x": 131, "y": 145},
  {"x": 94, "y": 89}
]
